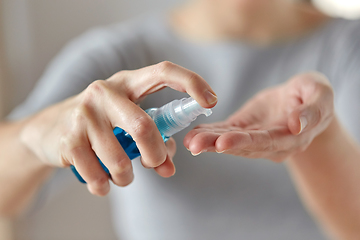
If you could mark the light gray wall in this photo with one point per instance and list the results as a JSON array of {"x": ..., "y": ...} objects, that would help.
[{"x": 34, "y": 31}]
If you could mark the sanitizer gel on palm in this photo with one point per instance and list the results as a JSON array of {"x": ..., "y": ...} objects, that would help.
[{"x": 169, "y": 119}]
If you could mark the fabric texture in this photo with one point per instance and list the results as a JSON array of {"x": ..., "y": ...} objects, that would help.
[{"x": 211, "y": 196}]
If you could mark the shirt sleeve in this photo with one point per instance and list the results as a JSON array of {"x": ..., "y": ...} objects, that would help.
[
  {"x": 95, "y": 55},
  {"x": 347, "y": 104}
]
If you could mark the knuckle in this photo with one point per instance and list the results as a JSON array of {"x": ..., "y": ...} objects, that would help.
[
  {"x": 192, "y": 79},
  {"x": 143, "y": 127},
  {"x": 96, "y": 88},
  {"x": 73, "y": 139},
  {"x": 162, "y": 68},
  {"x": 122, "y": 166},
  {"x": 81, "y": 114},
  {"x": 64, "y": 143},
  {"x": 119, "y": 75},
  {"x": 73, "y": 152},
  {"x": 69, "y": 142},
  {"x": 72, "y": 146},
  {"x": 165, "y": 65}
]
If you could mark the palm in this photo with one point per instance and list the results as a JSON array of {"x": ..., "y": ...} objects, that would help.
[
  {"x": 267, "y": 126},
  {"x": 267, "y": 110}
]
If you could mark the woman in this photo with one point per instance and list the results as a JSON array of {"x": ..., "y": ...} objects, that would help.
[{"x": 241, "y": 48}]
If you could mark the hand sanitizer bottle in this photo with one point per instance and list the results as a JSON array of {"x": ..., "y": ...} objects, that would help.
[{"x": 169, "y": 119}]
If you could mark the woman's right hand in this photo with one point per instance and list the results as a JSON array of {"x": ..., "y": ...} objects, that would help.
[{"x": 80, "y": 128}]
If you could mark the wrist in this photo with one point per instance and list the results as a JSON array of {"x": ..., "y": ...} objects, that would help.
[
  {"x": 28, "y": 143},
  {"x": 327, "y": 177}
]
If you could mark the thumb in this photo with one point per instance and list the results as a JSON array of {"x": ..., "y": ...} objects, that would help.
[{"x": 304, "y": 118}]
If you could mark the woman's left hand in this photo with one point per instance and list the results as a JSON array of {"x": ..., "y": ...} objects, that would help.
[{"x": 275, "y": 124}]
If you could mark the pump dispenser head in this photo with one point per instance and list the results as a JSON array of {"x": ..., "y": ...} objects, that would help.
[{"x": 176, "y": 115}]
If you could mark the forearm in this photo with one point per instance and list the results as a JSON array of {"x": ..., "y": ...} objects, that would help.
[
  {"x": 327, "y": 175},
  {"x": 21, "y": 173}
]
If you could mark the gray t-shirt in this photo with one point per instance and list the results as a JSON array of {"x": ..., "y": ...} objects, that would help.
[{"x": 211, "y": 196}]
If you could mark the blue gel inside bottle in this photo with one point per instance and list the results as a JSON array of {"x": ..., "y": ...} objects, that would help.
[{"x": 169, "y": 119}]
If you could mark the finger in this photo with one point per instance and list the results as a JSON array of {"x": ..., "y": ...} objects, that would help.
[
  {"x": 310, "y": 85},
  {"x": 141, "y": 127},
  {"x": 110, "y": 152},
  {"x": 304, "y": 118},
  {"x": 123, "y": 113},
  {"x": 187, "y": 139},
  {"x": 209, "y": 128},
  {"x": 190, "y": 135},
  {"x": 166, "y": 74},
  {"x": 167, "y": 169},
  {"x": 171, "y": 147},
  {"x": 272, "y": 140},
  {"x": 88, "y": 166},
  {"x": 203, "y": 142},
  {"x": 316, "y": 94}
]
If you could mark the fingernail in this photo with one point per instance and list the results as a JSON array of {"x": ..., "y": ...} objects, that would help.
[
  {"x": 220, "y": 151},
  {"x": 210, "y": 97},
  {"x": 303, "y": 123},
  {"x": 195, "y": 154}
]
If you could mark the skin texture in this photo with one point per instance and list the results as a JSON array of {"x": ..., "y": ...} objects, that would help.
[
  {"x": 293, "y": 122},
  {"x": 269, "y": 124},
  {"x": 327, "y": 177},
  {"x": 75, "y": 131},
  {"x": 82, "y": 125}
]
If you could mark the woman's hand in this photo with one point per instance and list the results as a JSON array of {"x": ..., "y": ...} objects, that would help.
[
  {"x": 275, "y": 124},
  {"x": 77, "y": 130}
]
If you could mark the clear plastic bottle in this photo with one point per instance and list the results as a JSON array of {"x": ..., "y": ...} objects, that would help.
[{"x": 169, "y": 119}]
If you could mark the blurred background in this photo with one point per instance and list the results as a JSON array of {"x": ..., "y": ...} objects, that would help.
[{"x": 31, "y": 33}]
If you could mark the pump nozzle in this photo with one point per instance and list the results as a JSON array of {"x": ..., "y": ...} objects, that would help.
[
  {"x": 176, "y": 115},
  {"x": 192, "y": 109}
]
